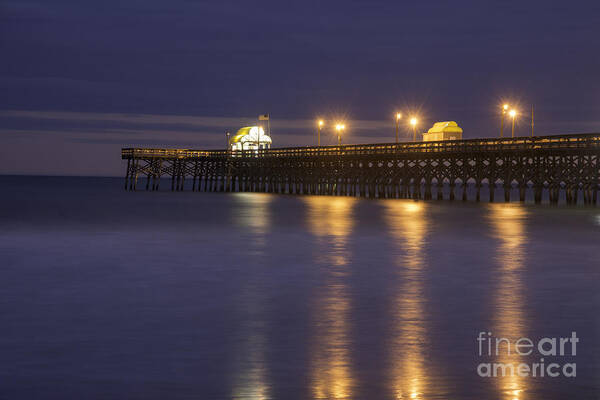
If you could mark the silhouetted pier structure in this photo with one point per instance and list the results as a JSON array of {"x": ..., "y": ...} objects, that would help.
[{"x": 547, "y": 167}]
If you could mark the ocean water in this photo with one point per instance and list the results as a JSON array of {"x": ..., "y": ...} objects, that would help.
[{"x": 107, "y": 294}]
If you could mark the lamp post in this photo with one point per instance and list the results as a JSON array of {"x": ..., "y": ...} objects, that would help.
[
  {"x": 258, "y": 140},
  {"x": 513, "y": 114},
  {"x": 413, "y": 122},
  {"x": 398, "y": 118},
  {"x": 504, "y": 109},
  {"x": 339, "y": 128},
  {"x": 319, "y": 126}
]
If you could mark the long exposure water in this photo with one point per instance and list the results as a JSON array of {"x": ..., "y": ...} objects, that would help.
[{"x": 108, "y": 294}]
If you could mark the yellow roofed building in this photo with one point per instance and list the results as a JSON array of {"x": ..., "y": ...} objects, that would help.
[
  {"x": 446, "y": 130},
  {"x": 250, "y": 138}
]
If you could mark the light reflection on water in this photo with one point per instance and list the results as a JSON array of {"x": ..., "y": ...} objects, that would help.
[
  {"x": 408, "y": 226},
  {"x": 331, "y": 220},
  {"x": 253, "y": 214},
  {"x": 508, "y": 228},
  {"x": 255, "y": 296}
]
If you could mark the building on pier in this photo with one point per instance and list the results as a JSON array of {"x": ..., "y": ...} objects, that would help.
[
  {"x": 446, "y": 130},
  {"x": 250, "y": 138}
]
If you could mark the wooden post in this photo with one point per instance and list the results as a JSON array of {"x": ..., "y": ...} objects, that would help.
[
  {"x": 159, "y": 175},
  {"x": 173, "y": 174},
  {"x": 148, "y": 173},
  {"x": 440, "y": 189},
  {"x": 196, "y": 174},
  {"x": 127, "y": 173},
  {"x": 522, "y": 192},
  {"x": 182, "y": 167},
  {"x": 135, "y": 175},
  {"x": 537, "y": 193},
  {"x": 428, "y": 189}
]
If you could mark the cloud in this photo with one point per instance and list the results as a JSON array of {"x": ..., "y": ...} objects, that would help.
[
  {"x": 61, "y": 142},
  {"x": 156, "y": 121},
  {"x": 125, "y": 118}
]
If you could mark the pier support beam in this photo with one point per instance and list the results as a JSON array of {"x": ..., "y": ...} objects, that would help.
[
  {"x": 452, "y": 190},
  {"x": 127, "y": 173},
  {"x": 440, "y": 190},
  {"x": 537, "y": 193},
  {"x": 507, "y": 190}
]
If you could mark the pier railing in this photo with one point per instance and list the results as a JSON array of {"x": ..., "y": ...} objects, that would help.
[{"x": 572, "y": 141}]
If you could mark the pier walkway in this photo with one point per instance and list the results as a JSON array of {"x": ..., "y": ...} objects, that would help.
[{"x": 546, "y": 167}]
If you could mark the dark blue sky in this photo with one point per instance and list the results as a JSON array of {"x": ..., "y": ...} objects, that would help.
[{"x": 80, "y": 79}]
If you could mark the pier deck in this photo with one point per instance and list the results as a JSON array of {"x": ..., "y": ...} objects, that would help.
[{"x": 551, "y": 167}]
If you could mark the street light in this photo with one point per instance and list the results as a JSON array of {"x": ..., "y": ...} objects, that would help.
[
  {"x": 504, "y": 108},
  {"x": 340, "y": 128},
  {"x": 398, "y": 118},
  {"x": 319, "y": 126},
  {"x": 513, "y": 114},
  {"x": 413, "y": 122}
]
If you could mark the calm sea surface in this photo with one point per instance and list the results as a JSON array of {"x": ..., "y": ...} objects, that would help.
[{"x": 107, "y": 294}]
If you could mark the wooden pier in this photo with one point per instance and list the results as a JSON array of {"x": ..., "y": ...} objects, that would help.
[{"x": 540, "y": 168}]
